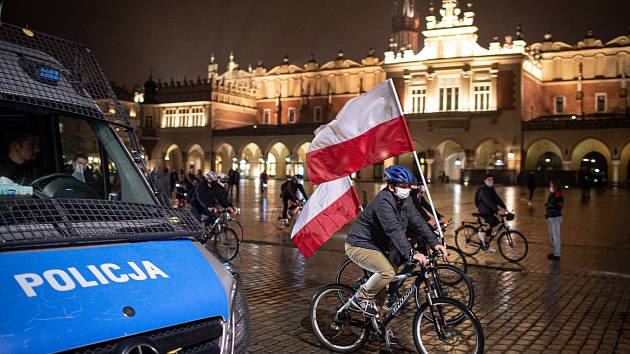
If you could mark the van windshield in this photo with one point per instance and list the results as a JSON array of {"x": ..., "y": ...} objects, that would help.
[{"x": 57, "y": 157}]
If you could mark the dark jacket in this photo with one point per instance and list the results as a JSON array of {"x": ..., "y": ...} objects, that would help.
[
  {"x": 205, "y": 197},
  {"x": 487, "y": 200},
  {"x": 382, "y": 224},
  {"x": 554, "y": 205},
  {"x": 289, "y": 190},
  {"x": 21, "y": 174},
  {"x": 423, "y": 207}
]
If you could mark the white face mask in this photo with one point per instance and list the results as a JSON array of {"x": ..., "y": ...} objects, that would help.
[
  {"x": 402, "y": 193},
  {"x": 489, "y": 184}
]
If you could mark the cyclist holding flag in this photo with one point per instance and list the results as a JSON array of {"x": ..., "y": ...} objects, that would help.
[{"x": 381, "y": 227}]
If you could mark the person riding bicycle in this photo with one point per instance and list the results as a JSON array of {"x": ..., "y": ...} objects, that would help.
[
  {"x": 208, "y": 196},
  {"x": 379, "y": 229},
  {"x": 489, "y": 205},
  {"x": 289, "y": 192}
]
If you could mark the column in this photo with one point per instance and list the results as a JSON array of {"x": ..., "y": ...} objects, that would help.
[
  {"x": 614, "y": 177},
  {"x": 566, "y": 165},
  {"x": 429, "y": 169},
  {"x": 469, "y": 161}
]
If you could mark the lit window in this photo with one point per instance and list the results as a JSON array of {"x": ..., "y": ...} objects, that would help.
[
  {"x": 196, "y": 117},
  {"x": 418, "y": 100},
  {"x": 482, "y": 97},
  {"x": 317, "y": 114},
  {"x": 449, "y": 99},
  {"x": 267, "y": 116},
  {"x": 600, "y": 102},
  {"x": 169, "y": 118},
  {"x": 559, "y": 105},
  {"x": 292, "y": 115}
]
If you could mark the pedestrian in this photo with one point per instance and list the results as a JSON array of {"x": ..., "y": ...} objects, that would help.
[
  {"x": 531, "y": 186},
  {"x": 585, "y": 183},
  {"x": 231, "y": 178},
  {"x": 264, "y": 178},
  {"x": 163, "y": 187},
  {"x": 554, "y": 205},
  {"x": 237, "y": 180}
]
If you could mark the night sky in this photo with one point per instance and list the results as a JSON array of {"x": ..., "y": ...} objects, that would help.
[{"x": 176, "y": 37}]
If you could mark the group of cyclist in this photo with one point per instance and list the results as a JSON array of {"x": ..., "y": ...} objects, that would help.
[
  {"x": 209, "y": 195},
  {"x": 385, "y": 232}
]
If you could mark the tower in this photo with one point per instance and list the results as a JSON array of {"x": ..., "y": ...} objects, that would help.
[{"x": 406, "y": 24}]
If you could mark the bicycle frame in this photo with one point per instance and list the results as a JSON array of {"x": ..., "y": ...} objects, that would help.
[{"x": 503, "y": 227}]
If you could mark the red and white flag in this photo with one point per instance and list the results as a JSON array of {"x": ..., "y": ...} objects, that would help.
[
  {"x": 369, "y": 129},
  {"x": 332, "y": 205}
]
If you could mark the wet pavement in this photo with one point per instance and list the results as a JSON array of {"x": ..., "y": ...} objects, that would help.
[{"x": 579, "y": 304}]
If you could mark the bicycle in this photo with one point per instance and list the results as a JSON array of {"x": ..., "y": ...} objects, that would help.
[
  {"x": 228, "y": 220},
  {"x": 441, "y": 323},
  {"x": 453, "y": 281},
  {"x": 512, "y": 243},
  {"x": 283, "y": 224},
  {"x": 458, "y": 258},
  {"x": 226, "y": 243}
]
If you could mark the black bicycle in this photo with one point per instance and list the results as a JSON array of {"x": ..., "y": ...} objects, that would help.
[
  {"x": 226, "y": 242},
  {"x": 441, "y": 323},
  {"x": 451, "y": 281},
  {"x": 228, "y": 219},
  {"x": 512, "y": 243}
]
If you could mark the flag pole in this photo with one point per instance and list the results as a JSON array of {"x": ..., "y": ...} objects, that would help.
[{"x": 415, "y": 156}]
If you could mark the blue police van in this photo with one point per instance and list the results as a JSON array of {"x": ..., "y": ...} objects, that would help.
[{"x": 90, "y": 260}]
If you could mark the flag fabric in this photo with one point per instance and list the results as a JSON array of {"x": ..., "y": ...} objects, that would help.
[
  {"x": 369, "y": 128},
  {"x": 331, "y": 206}
]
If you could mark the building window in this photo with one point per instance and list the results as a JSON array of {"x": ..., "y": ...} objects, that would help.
[
  {"x": 291, "y": 114},
  {"x": 148, "y": 121},
  {"x": 169, "y": 118},
  {"x": 559, "y": 105},
  {"x": 317, "y": 114},
  {"x": 600, "y": 102},
  {"x": 267, "y": 116},
  {"x": 449, "y": 99},
  {"x": 197, "y": 117},
  {"x": 482, "y": 97},
  {"x": 183, "y": 118},
  {"x": 418, "y": 100}
]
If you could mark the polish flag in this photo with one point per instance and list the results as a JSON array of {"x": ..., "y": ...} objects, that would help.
[
  {"x": 369, "y": 129},
  {"x": 332, "y": 205}
]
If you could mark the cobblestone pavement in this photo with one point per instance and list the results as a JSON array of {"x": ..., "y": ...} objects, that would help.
[{"x": 580, "y": 304}]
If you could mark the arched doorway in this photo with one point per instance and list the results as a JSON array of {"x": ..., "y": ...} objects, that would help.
[
  {"x": 276, "y": 160},
  {"x": 490, "y": 154},
  {"x": 548, "y": 161},
  {"x": 596, "y": 165},
  {"x": 251, "y": 163},
  {"x": 225, "y": 159},
  {"x": 173, "y": 158},
  {"x": 195, "y": 159},
  {"x": 448, "y": 161},
  {"x": 544, "y": 154}
]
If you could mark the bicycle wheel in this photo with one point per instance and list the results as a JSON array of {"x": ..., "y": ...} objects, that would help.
[
  {"x": 340, "y": 331},
  {"x": 513, "y": 246},
  {"x": 465, "y": 240},
  {"x": 457, "y": 258},
  {"x": 352, "y": 275},
  {"x": 238, "y": 228},
  {"x": 455, "y": 284},
  {"x": 226, "y": 244},
  {"x": 439, "y": 336}
]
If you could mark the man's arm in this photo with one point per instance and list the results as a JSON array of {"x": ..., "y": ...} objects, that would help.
[
  {"x": 385, "y": 212},
  {"x": 301, "y": 188},
  {"x": 498, "y": 199},
  {"x": 223, "y": 199},
  {"x": 419, "y": 227}
]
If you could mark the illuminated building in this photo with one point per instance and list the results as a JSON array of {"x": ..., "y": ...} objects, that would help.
[{"x": 510, "y": 107}]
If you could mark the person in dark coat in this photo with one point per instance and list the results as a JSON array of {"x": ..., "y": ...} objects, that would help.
[
  {"x": 208, "y": 197},
  {"x": 531, "y": 185},
  {"x": 289, "y": 193},
  {"x": 380, "y": 229},
  {"x": 488, "y": 204}
]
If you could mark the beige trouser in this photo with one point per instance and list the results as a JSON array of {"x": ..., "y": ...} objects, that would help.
[{"x": 375, "y": 262}]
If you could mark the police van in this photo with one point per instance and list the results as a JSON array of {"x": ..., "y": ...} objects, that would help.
[{"x": 90, "y": 261}]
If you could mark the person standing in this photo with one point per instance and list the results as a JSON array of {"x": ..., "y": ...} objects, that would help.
[
  {"x": 531, "y": 186},
  {"x": 554, "y": 205}
]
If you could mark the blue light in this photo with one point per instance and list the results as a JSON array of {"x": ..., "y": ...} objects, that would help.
[{"x": 47, "y": 73}]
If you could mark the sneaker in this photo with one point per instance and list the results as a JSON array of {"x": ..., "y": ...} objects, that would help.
[
  {"x": 490, "y": 249},
  {"x": 553, "y": 257},
  {"x": 368, "y": 307}
]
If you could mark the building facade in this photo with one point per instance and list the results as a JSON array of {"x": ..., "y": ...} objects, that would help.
[{"x": 554, "y": 108}]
